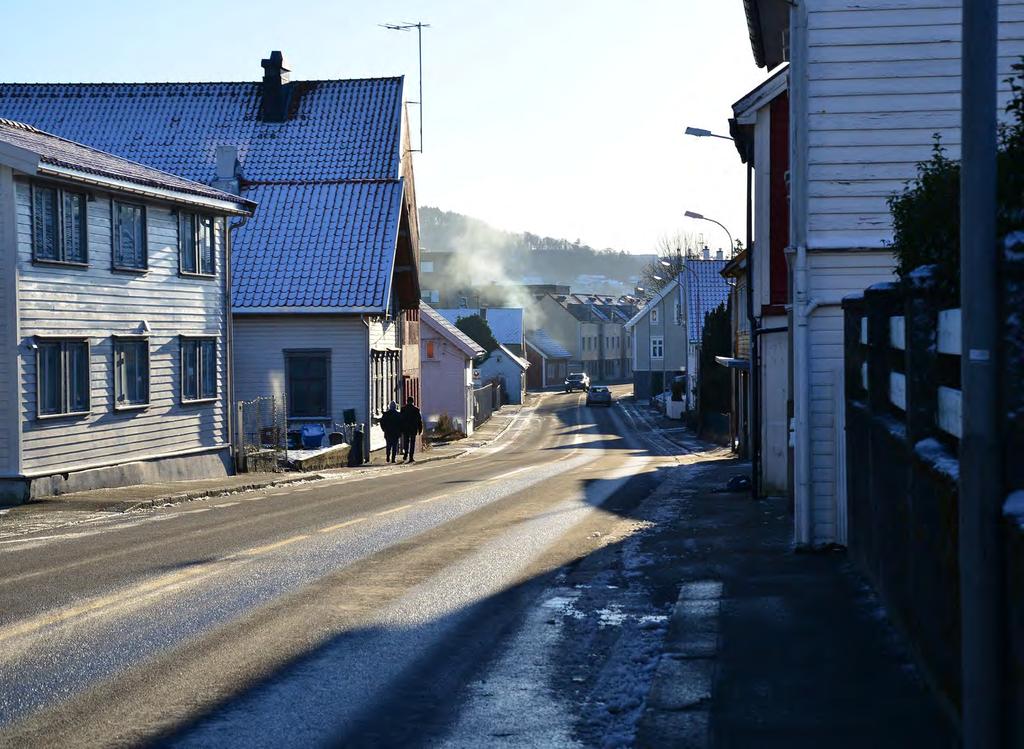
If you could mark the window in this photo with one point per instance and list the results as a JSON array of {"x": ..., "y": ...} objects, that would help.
[
  {"x": 129, "y": 231},
  {"x": 131, "y": 372},
  {"x": 195, "y": 244},
  {"x": 654, "y": 316},
  {"x": 309, "y": 377},
  {"x": 198, "y": 369},
  {"x": 62, "y": 377},
  {"x": 426, "y": 266},
  {"x": 429, "y": 348},
  {"x": 678, "y": 319},
  {"x": 58, "y": 226},
  {"x": 657, "y": 347}
]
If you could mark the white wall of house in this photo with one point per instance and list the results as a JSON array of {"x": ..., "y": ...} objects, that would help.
[
  {"x": 261, "y": 342},
  {"x": 500, "y": 365},
  {"x": 774, "y": 356},
  {"x": 10, "y": 426},
  {"x": 871, "y": 83},
  {"x": 96, "y": 302},
  {"x": 447, "y": 379}
]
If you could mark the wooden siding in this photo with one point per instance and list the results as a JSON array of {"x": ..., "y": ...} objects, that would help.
[
  {"x": 9, "y": 427},
  {"x": 832, "y": 276},
  {"x": 260, "y": 343},
  {"x": 674, "y": 337},
  {"x": 882, "y": 79},
  {"x": 97, "y": 303}
]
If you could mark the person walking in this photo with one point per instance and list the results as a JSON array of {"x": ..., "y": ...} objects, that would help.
[
  {"x": 412, "y": 425},
  {"x": 391, "y": 424}
]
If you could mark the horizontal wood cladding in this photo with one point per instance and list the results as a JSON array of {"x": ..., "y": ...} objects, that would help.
[
  {"x": 98, "y": 303},
  {"x": 882, "y": 79}
]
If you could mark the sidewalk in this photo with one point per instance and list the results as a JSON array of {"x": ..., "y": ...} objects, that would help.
[{"x": 767, "y": 647}]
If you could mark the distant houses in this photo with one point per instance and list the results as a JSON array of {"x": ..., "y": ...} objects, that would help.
[
  {"x": 115, "y": 354},
  {"x": 592, "y": 328},
  {"x": 549, "y": 360},
  {"x": 325, "y": 292}
]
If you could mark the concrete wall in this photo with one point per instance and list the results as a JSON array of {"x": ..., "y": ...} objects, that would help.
[{"x": 98, "y": 303}]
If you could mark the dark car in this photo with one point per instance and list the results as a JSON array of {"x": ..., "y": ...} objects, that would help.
[
  {"x": 577, "y": 381},
  {"x": 599, "y": 395}
]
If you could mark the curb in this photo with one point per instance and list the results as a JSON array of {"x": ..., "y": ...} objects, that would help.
[{"x": 179, "y": 497}]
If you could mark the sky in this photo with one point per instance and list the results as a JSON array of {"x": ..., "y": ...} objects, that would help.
[{"x": 564, "y": 118}]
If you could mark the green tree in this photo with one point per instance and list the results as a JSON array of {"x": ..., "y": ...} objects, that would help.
[
  {"x": 477, "y": 328},
  {"x": 715, "y": 386}
]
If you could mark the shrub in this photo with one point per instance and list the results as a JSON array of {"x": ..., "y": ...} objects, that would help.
[{"x": 926, "y": 214}]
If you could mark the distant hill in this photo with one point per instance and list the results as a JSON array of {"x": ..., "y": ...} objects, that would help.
[{"x": 496, "y": 256}]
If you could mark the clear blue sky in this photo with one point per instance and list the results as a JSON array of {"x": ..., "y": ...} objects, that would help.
[{"x": 560, "y": 117}]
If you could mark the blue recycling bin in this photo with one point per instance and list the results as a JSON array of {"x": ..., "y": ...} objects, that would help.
[{"x": 313, "y": 436}]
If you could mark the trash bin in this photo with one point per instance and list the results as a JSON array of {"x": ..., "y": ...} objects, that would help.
[
  {"x": 355, "y": 453},
  {"x": 313, "y": 436}
]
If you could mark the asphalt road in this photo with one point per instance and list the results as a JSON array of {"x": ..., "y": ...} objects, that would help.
[{"x": 352, "y": 611}]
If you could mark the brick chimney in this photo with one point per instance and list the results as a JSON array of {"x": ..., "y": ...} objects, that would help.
[{"x": 276, "y": 88}]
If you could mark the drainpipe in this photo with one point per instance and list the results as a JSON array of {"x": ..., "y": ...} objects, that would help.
[
  {"x": 802, "y": 309},
  {"x": 229, "y": 338},
  {"x": 754, "y": 384},
  {"x": 367, "y": 426}
]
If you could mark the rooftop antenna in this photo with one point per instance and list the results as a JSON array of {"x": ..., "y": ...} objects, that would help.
[{"x": 419, "y": 26}]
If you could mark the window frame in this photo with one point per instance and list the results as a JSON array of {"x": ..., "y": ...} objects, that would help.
[
  {"x": 655, "y": 315},
  {"x": 196, "y": 217},
  {"x": 61, "y": 258},
  {"x": 326, "y": 354},
  {"x": 39, "y": 342},
  {"x": 200, "y": 398},
  {"x": 660, "y": 340},
  {"x": 115, "y": 234},
  {"x": 118, "y": 340}
]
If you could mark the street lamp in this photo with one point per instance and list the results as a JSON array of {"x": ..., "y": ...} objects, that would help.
[
  {"x": 700, "y": 132},
  {"x": 701, "y": 217}
]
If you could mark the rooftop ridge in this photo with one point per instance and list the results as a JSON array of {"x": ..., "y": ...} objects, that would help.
[{"x": 197, "y": 83}]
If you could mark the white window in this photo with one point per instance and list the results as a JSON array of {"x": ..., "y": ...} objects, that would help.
[
  {"x": 198, "y": 369},
  {"x": 58, "y": 226},
  {"x": 131, "y": 372},
  {"x": 657, "y": 347},
  {"x": 195, "y": 244},
  {"x": 129, "y": 236},
  {"x": 655, "y": 317},
  {"x": 62, "y": 377},
  {"x": 427, "y": 266}
]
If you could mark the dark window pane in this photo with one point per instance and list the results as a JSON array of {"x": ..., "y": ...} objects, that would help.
[
  {"x": 44, "y": 223},
  {"x": 129, "y": 236},
  {"x": 78, "y": 376},
  {"x": 190, "y": 370},
  {"x": 74, "y": 228},
  {"x": 131, "y": 379},
  {"x": 49, "y": 378},
  {"x": 208, "y": 368},
  {"x": 187, "y": 242},
  {"x": 204, "y": 244},
  {"x": 308, "y": 385}
]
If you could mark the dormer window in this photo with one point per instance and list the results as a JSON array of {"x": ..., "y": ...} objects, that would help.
[{"x": 195, "y": 244}]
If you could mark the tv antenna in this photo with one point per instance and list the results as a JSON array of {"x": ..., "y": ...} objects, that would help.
[{"x": 419, "y": 26}]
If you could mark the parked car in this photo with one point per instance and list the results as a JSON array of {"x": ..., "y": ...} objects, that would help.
[
  {"x": 599, "y": 395},
  {"x": 577, "y": 381}
]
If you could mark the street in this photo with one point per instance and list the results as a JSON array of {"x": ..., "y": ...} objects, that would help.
[{"x": 401, "y": 606}]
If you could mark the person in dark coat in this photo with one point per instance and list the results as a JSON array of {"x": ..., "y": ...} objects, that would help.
[
  {"x": 391, "y": 424},
  {"x": 412, "y": 425}
]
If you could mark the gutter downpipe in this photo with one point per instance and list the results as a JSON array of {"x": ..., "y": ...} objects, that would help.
[
  {"x": 754, "y": 384},
  {"x": 229, "y": 343},
  {"x": 369, "y": 386},
  {"x": 802, "y": 308}
]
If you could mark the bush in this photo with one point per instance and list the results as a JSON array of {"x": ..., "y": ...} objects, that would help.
[{"x": 926, "y": 214}]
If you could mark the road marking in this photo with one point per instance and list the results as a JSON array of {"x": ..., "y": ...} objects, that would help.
[
  {"x": 511, "y": 473},
  {"x": 395, "y": 509},
  {"x": 335, "y": 527},
  {"x": 193, "y": 512},
  {"x": 254, "y": 551},
  {"x": 432, "y": 499},
  {"x": 226, "y": 504}
]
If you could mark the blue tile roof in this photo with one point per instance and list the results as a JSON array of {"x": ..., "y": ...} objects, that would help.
[
  {"x": 327, "y": 178},
  {"x": 706, "y": 291}
]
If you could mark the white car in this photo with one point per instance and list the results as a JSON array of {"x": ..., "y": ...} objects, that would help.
[{"x": 577, "y": 381}]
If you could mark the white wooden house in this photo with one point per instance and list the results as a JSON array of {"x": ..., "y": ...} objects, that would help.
[
  {"x": 115, "y": 331},
  {"x": 870, "y": 84},
  {"x": 446, "y": 361},
  {"x": 507, "y": 369},
  {"x": 325, "y": 292}
]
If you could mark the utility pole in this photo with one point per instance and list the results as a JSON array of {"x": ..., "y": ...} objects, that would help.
[
  {"x": 982, "y": 611},
  {"x": 419, "y": 26}
]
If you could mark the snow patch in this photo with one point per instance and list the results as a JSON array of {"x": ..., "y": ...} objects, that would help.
[{"x": 934, "y": 454}]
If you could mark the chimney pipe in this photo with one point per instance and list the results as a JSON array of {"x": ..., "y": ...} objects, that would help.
[
  {"x": 720, "y": 255},
  {"x": 707, "y": 253},
  {"x": 276, "y": 88},
  {"x": 228, "y": 170}
]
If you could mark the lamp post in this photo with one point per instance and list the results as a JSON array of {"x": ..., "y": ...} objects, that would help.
[
  {"x": 702, "y": 217},
  {"x": 700, "y": 132}
]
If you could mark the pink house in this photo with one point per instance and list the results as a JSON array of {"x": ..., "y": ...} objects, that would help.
[{"x": 446, "y": 357}]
